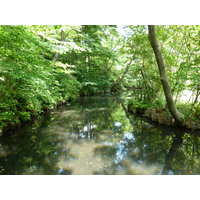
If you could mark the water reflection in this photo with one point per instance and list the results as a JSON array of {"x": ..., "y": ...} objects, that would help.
[{"x": 97, "y": 136}]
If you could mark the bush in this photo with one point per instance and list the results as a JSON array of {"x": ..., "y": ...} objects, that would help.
[
  {"x": 29, "y": 83},
  {"x": 136, "y": 107}
]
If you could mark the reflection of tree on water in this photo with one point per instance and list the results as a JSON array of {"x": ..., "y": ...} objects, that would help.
[
  {"x": 177, "y": 142},
  {"x": 33, "y": 151},
  {"x": 105, "y": 141},
  {"x": 182, "y": 156}
]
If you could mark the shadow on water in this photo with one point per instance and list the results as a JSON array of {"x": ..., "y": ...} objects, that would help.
[{"x": 95, "y": 135}]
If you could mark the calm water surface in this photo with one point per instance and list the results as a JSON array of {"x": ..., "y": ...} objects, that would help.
[{"x": 96, "y": 136}]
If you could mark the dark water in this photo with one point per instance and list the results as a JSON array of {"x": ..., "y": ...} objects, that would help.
[{"x": 96, "y": 136}]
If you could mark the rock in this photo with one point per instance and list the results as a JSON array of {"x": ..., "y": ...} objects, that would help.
[
  {"x": 168, "y": 121},
  {"x": 160, "y": 110},
  {"x": 154, "y": 115},
  {"x": 190, "y": 125},
  {"x": 147, "y": 113},
  {"x": 187, "y": 125},
  {"x": 193, "y": 125},
  {"x": 162, "y": 117},
  {"x": 198, "y": 125}
]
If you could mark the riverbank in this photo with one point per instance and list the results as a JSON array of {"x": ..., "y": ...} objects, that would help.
[
  {"x": 162, "y": 116},
  {"x": 14, "y": 125},
  {"x": 94, "y": 135}
]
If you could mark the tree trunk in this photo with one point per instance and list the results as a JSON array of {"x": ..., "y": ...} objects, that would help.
[
  {"x": 197, "y": 95},
  {"x": 125, "y": 71},
  {"x": 122, "y": 75},
  {"x": 63, "y": 37},
  {"x": 179, "y": 117}
]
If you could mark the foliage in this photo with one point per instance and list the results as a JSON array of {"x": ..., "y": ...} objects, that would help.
[
  {"x": 29, "y": 82},
  {"x": 46, "y": 65},
  {"x": 135, "y": 106},
  {"x": 190, "y": 112}
]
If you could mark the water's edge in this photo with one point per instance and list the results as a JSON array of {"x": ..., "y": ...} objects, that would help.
[{"x": 95, "y": 135}]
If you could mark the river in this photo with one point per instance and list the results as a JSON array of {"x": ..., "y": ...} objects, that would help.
[{"x": 96, "y": 136}]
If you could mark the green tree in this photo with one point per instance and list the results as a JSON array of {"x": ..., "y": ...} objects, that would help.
[{"x": 179, "y": 117}]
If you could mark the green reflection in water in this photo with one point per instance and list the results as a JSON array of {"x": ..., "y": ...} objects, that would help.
[{"x": 95, "y": 135}]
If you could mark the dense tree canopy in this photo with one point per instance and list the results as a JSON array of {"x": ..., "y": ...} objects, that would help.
[{"x": 43, "y": 66}]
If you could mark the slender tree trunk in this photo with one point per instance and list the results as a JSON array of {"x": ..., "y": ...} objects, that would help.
[
  {"x": 63, "y": 37},
  {"x": 179, "y": 117},
  {"x": 125, "y": 71},
  {"x": 123, "y": 74},
  {"x": 197, "y": 95}
]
